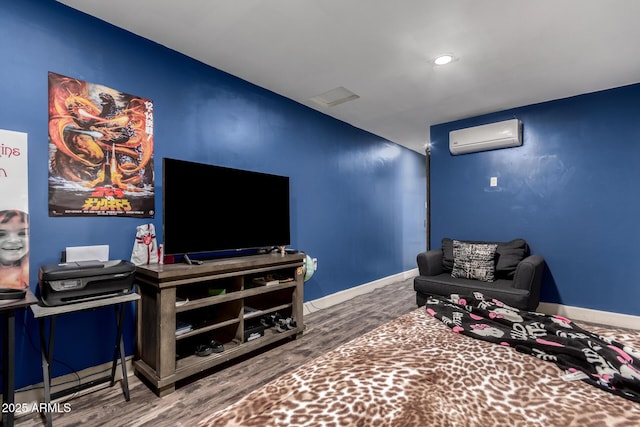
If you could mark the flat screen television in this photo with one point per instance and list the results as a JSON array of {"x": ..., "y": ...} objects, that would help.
[{"x": 212, "y": 209}]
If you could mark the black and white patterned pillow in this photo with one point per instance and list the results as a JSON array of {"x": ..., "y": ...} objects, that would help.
[{"x": 474, "y": 261}]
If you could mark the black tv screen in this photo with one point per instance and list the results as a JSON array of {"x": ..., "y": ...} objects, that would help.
[{"x": 209, "y": 208}]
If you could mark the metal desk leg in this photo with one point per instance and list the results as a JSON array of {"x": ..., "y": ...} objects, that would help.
[
  {"x": 119, "y": 353},
  {"x": 123, "y": 362},
  {"x": 8, "y": 364},
  {"x": 47, "y": 353}
]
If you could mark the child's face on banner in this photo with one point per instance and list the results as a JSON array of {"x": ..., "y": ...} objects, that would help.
[{"x": 14, "y": 241}]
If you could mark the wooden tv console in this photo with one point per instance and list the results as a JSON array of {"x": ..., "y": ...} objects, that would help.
[{"x": 226, "y": 298}]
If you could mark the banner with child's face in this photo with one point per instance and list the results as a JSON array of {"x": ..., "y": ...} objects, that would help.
[{"x": 14, "y": 210}]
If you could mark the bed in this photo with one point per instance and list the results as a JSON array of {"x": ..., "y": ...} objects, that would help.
[{"x": 416, "y": 370}]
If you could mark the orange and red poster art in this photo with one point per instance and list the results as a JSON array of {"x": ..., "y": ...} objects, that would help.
[{"x": 100, "y": 151}]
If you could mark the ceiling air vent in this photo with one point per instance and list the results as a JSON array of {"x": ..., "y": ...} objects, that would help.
[{"x": 334, "y": 97}]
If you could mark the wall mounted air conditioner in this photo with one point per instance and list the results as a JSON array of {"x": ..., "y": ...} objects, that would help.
[{"x": 486, "y": 137}]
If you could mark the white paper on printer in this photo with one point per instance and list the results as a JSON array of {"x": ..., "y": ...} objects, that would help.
[{"x": 88, "y": 253}]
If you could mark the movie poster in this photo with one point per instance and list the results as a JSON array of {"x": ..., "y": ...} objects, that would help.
[
  {"x": 14, "y": 210},
  {"x": 100, "y": 151}
]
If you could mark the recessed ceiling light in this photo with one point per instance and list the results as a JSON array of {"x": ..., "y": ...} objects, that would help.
[{"x": 443, "y": 59}]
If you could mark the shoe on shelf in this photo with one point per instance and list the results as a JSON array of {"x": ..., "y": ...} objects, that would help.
[
  {"x": 203, "y": 350},
  {"x": 270, "y": 319},
  {"x": 291, "y": 324},
  {"x": 216, "y": 347},
  {"x": 286, "y": 324},
  {"x": 281, "y": 326}
]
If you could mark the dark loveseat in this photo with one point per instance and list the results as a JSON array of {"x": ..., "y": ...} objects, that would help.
[{"x": 502, "y": 270}]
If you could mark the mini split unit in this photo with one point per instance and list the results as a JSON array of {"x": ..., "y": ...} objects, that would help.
[{"x": 486, "y": 137}]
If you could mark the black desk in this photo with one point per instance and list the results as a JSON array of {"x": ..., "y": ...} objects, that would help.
[
  {"x": 42, "y": 313},
  {"x": 7, "y": 310}
]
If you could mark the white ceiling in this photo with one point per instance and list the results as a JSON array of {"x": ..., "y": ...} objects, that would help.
[{"x": 510, "y": 52}]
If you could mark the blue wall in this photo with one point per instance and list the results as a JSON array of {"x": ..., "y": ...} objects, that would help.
[
  {"x": 571, "y": 190},
  {"x": 357, "y": 201}
]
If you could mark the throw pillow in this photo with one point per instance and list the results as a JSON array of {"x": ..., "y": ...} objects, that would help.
[
  {"x": 474, "y": 260},
  {"x": 509, "y": 254},
  {"x": 447, "y": 252}
]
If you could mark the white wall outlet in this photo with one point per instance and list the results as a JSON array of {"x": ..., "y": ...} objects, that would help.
[
  {"x": 315, "y": 264},
  {"x": 493, "y": 181}
]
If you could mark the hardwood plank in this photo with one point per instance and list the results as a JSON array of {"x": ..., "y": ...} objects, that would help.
[{"x": 217, "y": 388}]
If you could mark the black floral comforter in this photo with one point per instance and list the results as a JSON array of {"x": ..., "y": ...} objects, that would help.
[{"x": 603, "y": 362}]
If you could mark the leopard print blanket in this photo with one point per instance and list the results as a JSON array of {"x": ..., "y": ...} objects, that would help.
[{"x": 414, "y": 371}]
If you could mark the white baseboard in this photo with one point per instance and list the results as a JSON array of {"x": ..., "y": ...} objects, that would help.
[
  {"x": 347, "y": 294},
  {"x": 589, "y": 315}
]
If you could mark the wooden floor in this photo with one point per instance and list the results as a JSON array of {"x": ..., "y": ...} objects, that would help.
[{"x": 325, "y": 329}]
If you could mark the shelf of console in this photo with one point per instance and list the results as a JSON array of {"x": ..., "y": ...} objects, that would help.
[
  {"x": 222, "y": 324},
  {"x": 208, "y": 328},
  {"x": 233, "y": 296}
]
